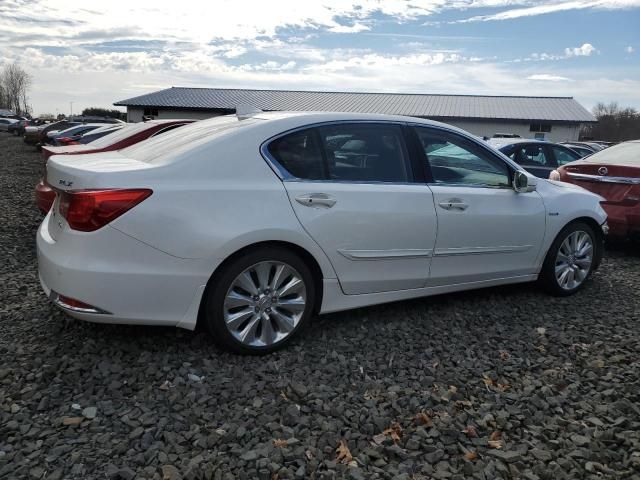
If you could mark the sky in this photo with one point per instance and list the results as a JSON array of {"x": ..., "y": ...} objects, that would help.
[{"x": 96, "y": 53}]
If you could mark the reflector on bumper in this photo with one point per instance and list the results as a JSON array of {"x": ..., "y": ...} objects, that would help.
[{"x": 74, "y": 305}]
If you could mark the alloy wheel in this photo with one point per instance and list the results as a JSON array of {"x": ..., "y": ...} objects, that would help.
[
  {"x": 265, "y": 303},
  {"x": 574, "y": 259}
]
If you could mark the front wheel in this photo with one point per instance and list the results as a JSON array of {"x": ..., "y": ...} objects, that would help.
[
  {"x": 570, "y": 260},
  {"x": 259, "y": 301}
]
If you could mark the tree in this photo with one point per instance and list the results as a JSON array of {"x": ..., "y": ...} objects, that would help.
[
  {"x": 615, "y": 124},
  {"x": 103, "y": 112},
  {"x": 14, "y": 87}
]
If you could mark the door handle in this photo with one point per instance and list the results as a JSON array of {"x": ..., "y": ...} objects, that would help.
[
  {"x": 453, "y": 204},
  {"x": 317, "y": 200}
]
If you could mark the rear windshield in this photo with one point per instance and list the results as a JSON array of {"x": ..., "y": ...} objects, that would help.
[
  {"x": 163, "y": 148},
  {"x": 622, "y": 154},
  {"x": 124, "y": 132}
]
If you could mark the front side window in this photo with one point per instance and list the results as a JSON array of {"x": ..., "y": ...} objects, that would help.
[
  {"x": 564, "y": 155},
  {"x": 532, "y": 156},
  {"x": 456, "y": 160},
  {"x": 364, "y": 152}
]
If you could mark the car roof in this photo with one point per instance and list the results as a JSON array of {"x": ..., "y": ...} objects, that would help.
[{"x": 503, "y": 142}]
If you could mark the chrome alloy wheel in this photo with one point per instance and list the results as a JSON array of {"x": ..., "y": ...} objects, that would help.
[
  {"x": 265, "y": 303},
  {"x": 574, "y": 260}
]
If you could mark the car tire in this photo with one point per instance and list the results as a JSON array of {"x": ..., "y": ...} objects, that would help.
[
  {"x": 572, "y": 258},
  {"x": 248, "y": 310}
]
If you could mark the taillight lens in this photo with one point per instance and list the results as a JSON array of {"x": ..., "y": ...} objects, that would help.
[{"x": 89, "y": 210}]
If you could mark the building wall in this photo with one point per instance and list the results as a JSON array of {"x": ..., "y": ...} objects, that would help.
[
  {"x": 135, "y": 114},
  {"x": 559, "y": 132}
]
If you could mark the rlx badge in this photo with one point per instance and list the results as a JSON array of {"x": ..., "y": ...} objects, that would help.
[{"x": 65, "y": 183}]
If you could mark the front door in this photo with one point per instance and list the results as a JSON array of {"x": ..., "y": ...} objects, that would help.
[
  {"x": 486, "y": 230},
  {"x": 352, "y": 192}
]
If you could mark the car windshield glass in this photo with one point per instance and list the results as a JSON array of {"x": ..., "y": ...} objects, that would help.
[
  {"x": 162, "y": 148},
  {"x": 622, "y": 154},
  {"x": 121, "y": 134}
]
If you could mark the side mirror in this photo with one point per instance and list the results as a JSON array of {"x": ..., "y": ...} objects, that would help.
[{"x": 522, "y": 183}]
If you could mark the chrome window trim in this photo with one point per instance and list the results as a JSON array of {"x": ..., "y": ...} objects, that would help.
[
  {"x": 471, "y": 185},
  {"x": 285, "y": 176},
  {"x": 604, "y": 179}
]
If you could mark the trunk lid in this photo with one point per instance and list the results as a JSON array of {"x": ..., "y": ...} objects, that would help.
[
  {"x": 616, "y": 183},
  {"x": 101, "y": 171},
  {"x": 63, "y": 150},
  {"x": 95, "y": 171}
]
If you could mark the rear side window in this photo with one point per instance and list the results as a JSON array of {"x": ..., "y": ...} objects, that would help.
[
  {"x": 299, "y": 154},
  {"x": 364, "y": 152},
  {"x": 356, "y": 152}
]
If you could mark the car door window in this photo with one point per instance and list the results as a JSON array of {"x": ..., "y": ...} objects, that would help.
[
  {"x": 532, "y": 156},
  {"x": 564, "y": 155},
  {"x": 364, "y": 152},
  {"x": 456, "y": 160},
  {"x": 299, "y": 154},
  {"x": 356, "y": 152}
]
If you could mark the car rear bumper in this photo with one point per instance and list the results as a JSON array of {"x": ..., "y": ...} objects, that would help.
[{"x": 120, "y": 278}]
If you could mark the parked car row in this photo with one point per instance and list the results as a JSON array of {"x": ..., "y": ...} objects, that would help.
[
  {"x": 45, "y": 134},
  {"x": 252, "y": 224},
  {"x": 110, "y": 138}
]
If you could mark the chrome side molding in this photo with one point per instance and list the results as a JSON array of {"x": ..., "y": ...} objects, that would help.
[{"x": 603, "y": 179}]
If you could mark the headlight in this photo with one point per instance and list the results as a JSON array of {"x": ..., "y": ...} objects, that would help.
[{"x": 554, "y": 175}]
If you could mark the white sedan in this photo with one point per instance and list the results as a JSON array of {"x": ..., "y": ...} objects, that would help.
[{"x": 253, "y": 225}]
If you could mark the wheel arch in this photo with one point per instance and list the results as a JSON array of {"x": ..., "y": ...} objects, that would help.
[
  {"x": 597, "y": 230},
  {"x": 303, "y": 253}
]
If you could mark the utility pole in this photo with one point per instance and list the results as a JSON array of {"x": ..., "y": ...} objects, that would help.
[{"x": 71, "y": 107}]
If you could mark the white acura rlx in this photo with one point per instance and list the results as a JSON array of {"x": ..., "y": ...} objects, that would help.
[{"x": 251, "y": 225}]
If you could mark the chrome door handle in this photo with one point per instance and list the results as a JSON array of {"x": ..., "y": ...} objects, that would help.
[
  {"x": 453, "y": 204},
  {"x": 318, "y": 200}
]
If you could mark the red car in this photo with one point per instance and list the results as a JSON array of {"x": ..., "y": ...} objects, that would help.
[
  {"x": 124, "y": 137},
  {"x": 613, "y": 173}
]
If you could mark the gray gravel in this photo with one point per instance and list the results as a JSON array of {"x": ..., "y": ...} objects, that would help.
[{"x": 497, "y": 383}]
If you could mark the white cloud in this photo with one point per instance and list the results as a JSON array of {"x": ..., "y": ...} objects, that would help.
[
  {"x": 629, "y": 49},
  {"x": 545, "y": 77},
  {"x": 235, "y": 51},
  {"x": 584, "y": 51},
  {"x": 545, "y": 7}
]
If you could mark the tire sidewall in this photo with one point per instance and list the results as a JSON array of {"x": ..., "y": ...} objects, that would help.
[
  {"x": 221, "y": 282},
  {"x": 548, "y": 276}
]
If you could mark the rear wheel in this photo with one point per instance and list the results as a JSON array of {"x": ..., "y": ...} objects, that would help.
[
  {"x": 259, "y": 301},
  {"x": 571, "y": 259}
]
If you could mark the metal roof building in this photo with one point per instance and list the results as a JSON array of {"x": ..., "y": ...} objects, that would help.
[{"x": 556, "y": 118}]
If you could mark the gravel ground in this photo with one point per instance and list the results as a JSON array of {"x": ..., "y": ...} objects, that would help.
[{"x": 497, "y": 383}]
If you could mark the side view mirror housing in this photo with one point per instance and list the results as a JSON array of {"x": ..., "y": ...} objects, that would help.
[{"x": 523, "y": 183}]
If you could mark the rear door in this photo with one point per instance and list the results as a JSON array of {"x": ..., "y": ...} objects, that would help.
[{"x": 351, "y": 187}]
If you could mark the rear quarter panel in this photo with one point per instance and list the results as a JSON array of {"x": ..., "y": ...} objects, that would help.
[{"x": 218, "y": 199}]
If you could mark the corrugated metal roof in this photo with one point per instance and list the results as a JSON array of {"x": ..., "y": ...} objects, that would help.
[{"x": 561, "y": 109}]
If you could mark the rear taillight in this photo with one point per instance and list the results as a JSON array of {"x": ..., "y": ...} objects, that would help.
[{"x": 89, "y": 210}]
